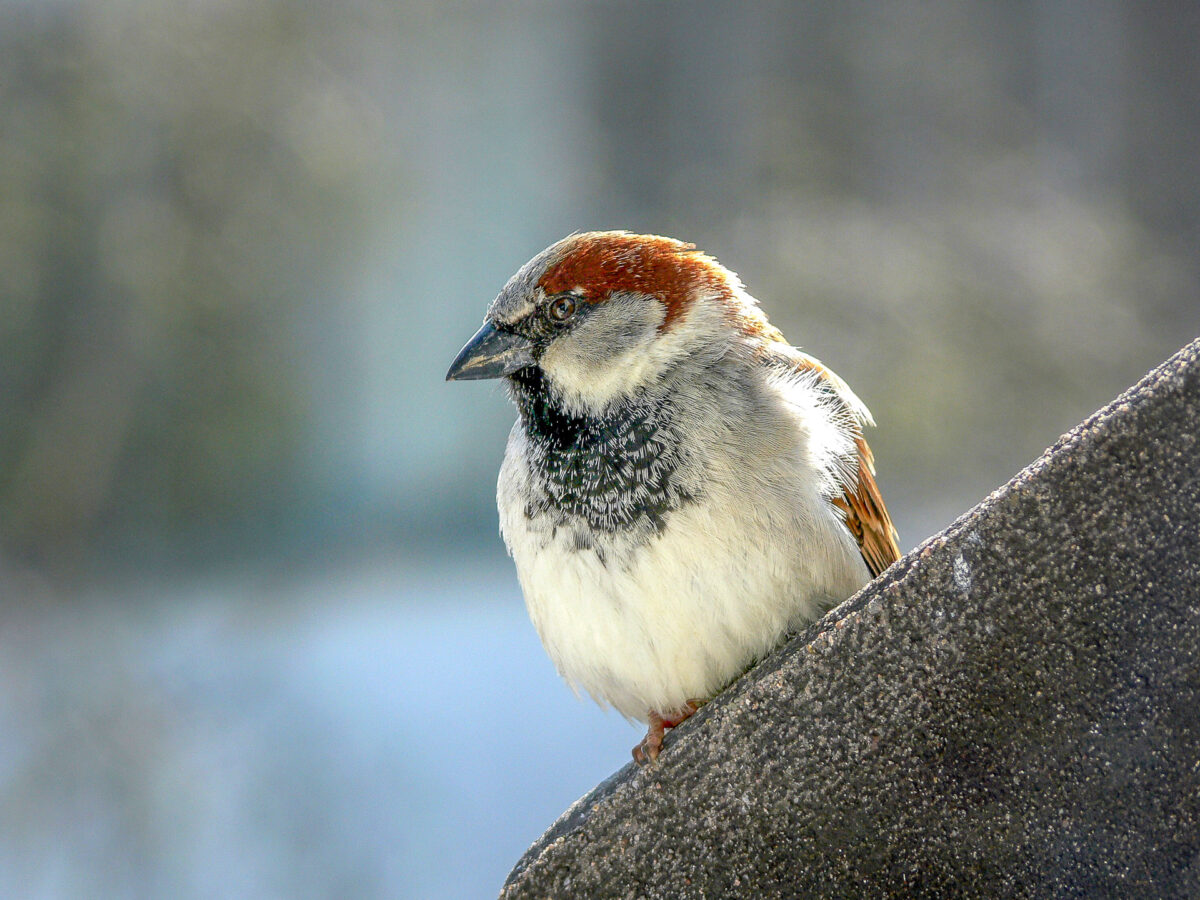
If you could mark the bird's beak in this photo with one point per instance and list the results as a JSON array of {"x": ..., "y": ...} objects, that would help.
[{"x": 491, "y": 353}]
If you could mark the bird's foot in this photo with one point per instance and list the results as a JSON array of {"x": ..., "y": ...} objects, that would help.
[{"x": 651, "y": 745}]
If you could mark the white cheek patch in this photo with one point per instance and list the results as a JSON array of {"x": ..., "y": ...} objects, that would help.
[
  {"x": 620, "y": 349},
  {"x": 592, "y": 387},
  {"x": 607, "y": 354}
]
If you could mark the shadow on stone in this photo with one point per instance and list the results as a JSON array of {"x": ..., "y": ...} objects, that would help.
[{"x": 1011, "y": 710}]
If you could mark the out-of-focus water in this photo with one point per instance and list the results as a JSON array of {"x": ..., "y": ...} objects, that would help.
[{"x": 385, "y": 732}]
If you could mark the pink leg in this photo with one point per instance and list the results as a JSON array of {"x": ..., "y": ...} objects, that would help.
[{"x": 651, "y": 745}]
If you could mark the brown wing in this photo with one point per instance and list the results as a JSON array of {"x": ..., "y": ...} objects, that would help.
[
  {"x": 861, "y": 503},
  {"x": 867, "y": 517}
]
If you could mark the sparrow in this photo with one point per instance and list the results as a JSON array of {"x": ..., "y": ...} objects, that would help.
[{"x": 682, "y": 488}]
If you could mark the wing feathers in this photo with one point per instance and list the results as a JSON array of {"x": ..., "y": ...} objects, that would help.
[{"x": 861, "y": 503}]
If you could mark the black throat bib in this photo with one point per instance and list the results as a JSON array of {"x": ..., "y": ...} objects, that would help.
[{"x": 613, "y": 472}]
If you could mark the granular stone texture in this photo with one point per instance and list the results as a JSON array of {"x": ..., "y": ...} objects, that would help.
[{"x": 1012, "y": 710}]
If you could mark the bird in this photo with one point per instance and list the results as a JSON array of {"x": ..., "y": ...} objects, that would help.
[{"x": 682, "y": 488}]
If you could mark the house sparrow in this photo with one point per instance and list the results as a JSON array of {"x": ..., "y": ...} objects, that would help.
[{"x": 682, "y": 488}]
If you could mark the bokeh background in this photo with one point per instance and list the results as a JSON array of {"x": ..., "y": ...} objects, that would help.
[{"x": 258, "y": 635}]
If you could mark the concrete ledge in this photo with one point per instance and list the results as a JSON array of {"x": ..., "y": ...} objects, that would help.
[{"x": 1012, "y": 710}]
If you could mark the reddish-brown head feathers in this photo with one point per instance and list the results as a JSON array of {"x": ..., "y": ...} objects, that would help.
[{"x": 604, "y": 262}]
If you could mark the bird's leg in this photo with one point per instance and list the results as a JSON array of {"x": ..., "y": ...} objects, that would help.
[
  {"x": 647, "y": 750},
  {"x": 687, "y": 712},
  {"x": 651, "y": 745}
]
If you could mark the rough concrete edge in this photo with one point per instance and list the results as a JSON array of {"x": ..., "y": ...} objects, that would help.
[{"x": 909, "y": 566}]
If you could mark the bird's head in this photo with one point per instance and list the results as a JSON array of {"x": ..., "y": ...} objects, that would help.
[{"x": 599, "y": 316}]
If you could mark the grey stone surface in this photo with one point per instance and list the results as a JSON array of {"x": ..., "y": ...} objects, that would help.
[{"x": 1012, "y": 710}]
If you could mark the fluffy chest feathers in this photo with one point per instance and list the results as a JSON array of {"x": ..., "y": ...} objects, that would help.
[
  {"x": 622, "y": 472},
  {"x": 665, "y": 545}
]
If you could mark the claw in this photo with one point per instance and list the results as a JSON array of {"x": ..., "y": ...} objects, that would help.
[
  {"x": 648, "y": 749},
  {"x": 651, "y": 744}
]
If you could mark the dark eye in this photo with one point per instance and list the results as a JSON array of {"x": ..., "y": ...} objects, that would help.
[{"x": 561, "y": 308}]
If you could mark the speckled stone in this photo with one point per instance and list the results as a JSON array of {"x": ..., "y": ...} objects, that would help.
[{"x": 1012, "y": 710}]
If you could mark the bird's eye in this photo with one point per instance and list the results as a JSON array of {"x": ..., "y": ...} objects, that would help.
[{"x": 561, "y": 308}]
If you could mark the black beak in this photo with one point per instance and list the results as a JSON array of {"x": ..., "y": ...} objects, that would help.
[{"x": 491, "y": 353}]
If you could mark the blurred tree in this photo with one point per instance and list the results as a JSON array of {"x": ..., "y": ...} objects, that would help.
[{"x": 180, "y": 187}]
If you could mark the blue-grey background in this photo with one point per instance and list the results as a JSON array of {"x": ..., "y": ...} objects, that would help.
[{"x": 258, "y": 636}]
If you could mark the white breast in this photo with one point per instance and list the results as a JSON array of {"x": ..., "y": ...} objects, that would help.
[{"x": 649, "y": 626}]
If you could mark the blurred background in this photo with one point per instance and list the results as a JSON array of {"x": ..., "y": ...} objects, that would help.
[{"x": 258, "y": 635}]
